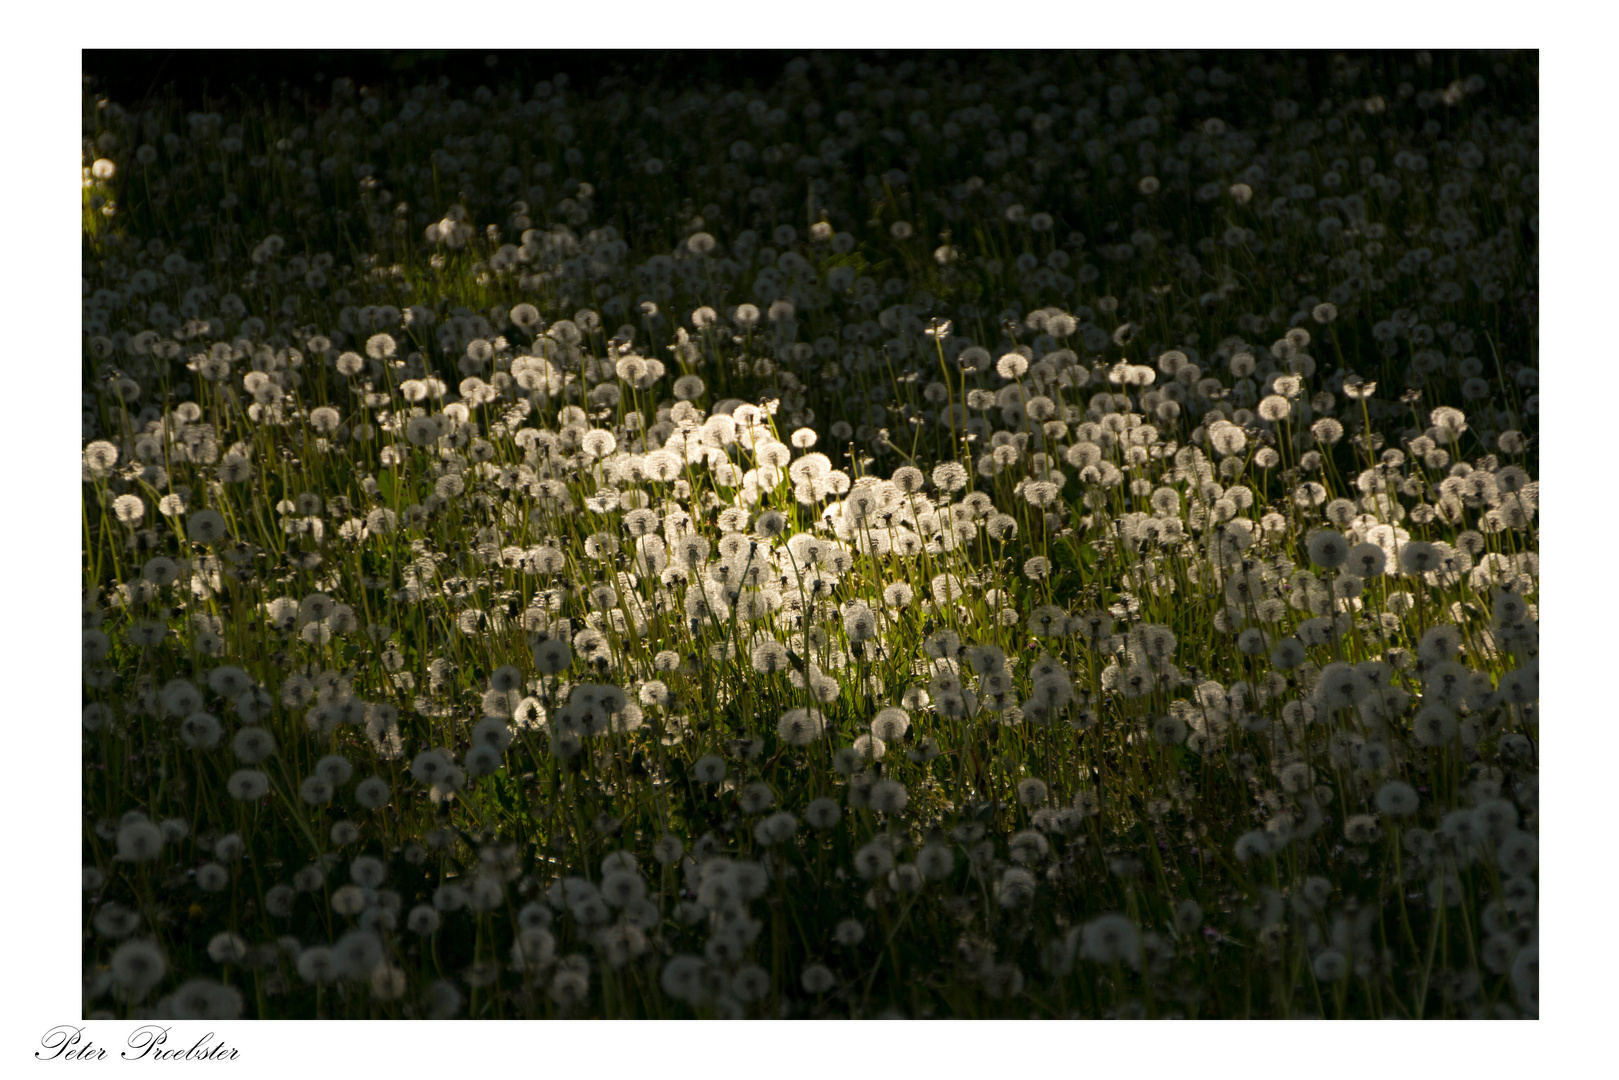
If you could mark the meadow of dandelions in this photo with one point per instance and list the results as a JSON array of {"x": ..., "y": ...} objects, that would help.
[{"x": 1050, "y": 536}]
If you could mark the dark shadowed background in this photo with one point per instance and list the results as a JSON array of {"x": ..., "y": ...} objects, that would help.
[{"x": 203, "y": 78}]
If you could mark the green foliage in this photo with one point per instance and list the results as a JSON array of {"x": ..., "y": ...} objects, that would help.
[{"x": 342, "y": 490}]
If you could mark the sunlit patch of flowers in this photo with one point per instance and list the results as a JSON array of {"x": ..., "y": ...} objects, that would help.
[{"x": 1082, "y": 561}]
